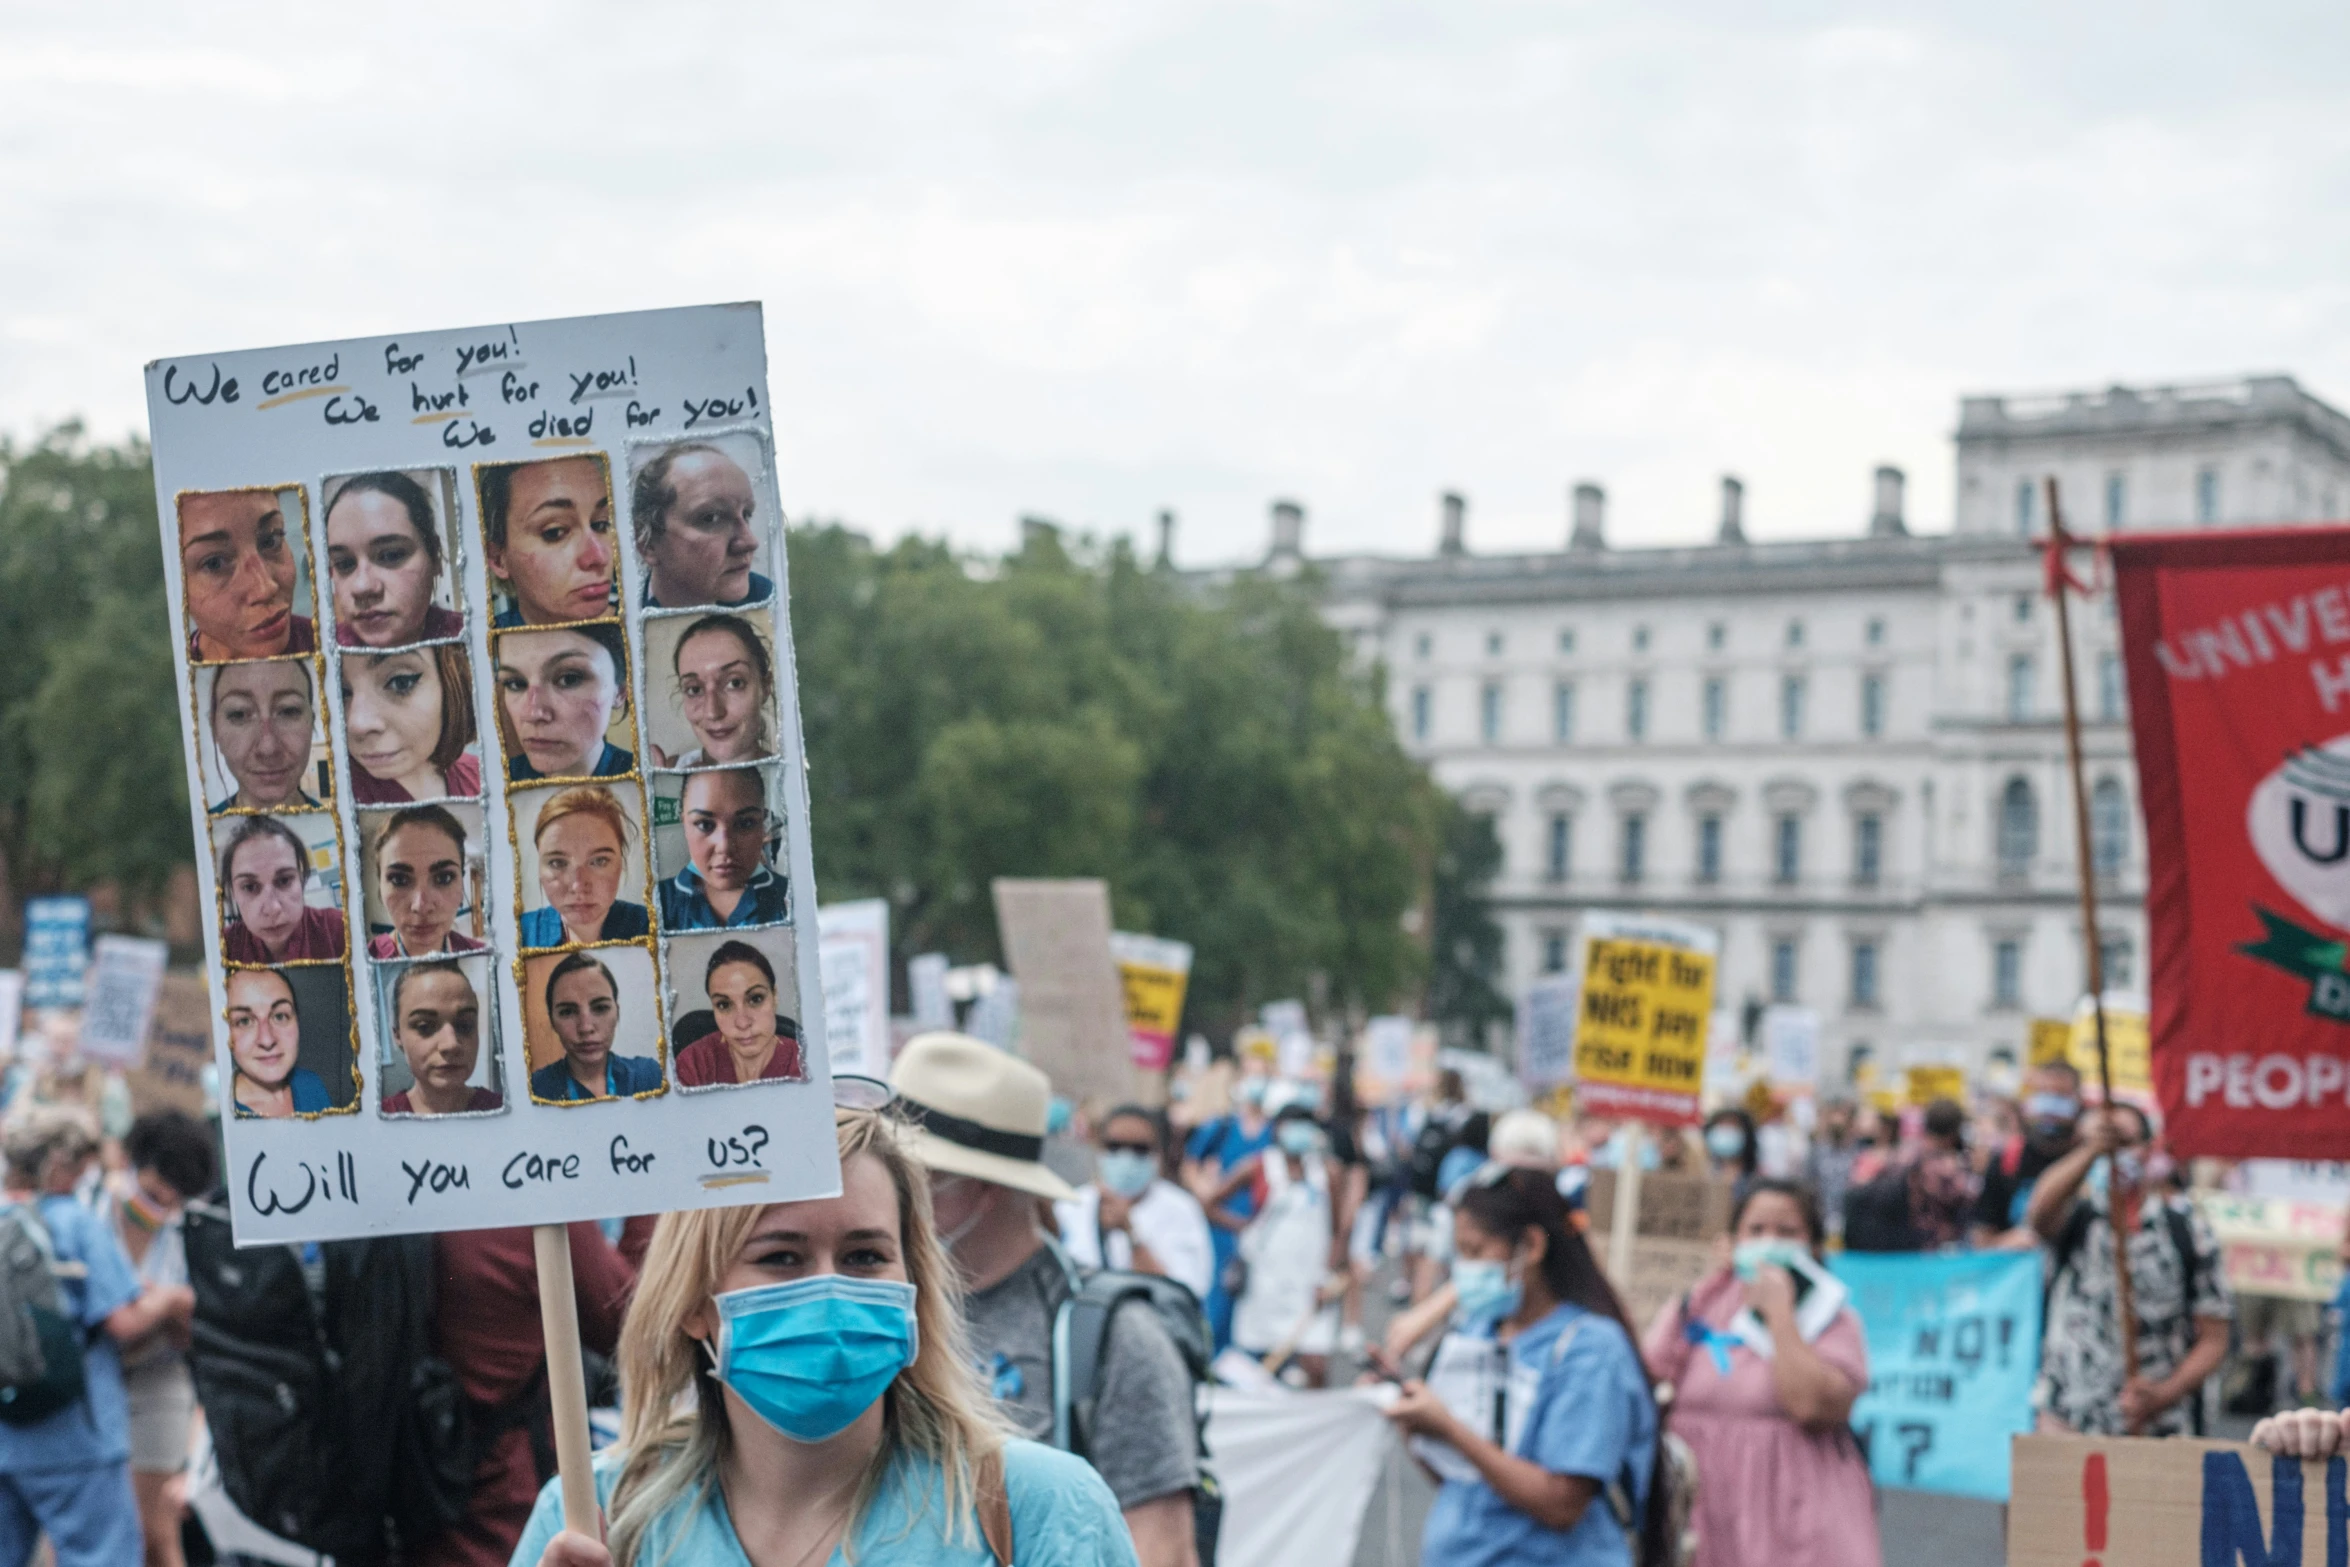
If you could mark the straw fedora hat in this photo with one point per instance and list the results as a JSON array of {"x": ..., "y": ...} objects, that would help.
[{"x": 976, "y": 1111}]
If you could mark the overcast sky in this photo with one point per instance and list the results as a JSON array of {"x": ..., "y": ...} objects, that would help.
[{"x": 1090, "y": 260}]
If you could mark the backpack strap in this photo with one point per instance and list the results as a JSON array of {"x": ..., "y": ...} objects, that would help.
[{"x": 993, "y": 1499}]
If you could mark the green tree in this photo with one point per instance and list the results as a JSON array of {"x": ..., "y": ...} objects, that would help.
[{"x": 1464, "y": 980}]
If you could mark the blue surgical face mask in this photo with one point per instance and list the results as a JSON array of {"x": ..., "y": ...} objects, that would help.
[
  {"x": 1125, "y": 1172},
  {"x": 1251, "y": 1091},
  {"x": 812, "y": 1355},
  {"x": 1298, "y": 1138},
  {"x": 1725, "y": 1141},
  {"x": 1749, "y": 1258},
  {"x": 1486, "y": 1291}
]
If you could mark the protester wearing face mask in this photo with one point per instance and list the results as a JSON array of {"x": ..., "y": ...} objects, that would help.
[
  {"x": 2181, "y": 1302},
  {"x": 979, "y": 1119},
  {"x": 1292, "y": 1249},
  {"x": 1827, "y": 1165},
  {"x": 1131, "y": 1216},
  {"x": 1730, "y": 1148},
  {"x": 1764, "y": 1368},
  {"x": 798, "y": 1390},
  {"x": 1214, "y": 1152},
  {"x": 2051, "y": 1105}
]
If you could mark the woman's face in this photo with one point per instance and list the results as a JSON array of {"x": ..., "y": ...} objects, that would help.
[
  {"x": 1773, "y": 1216},
  {"x": 439, "y": 1029},
  {"x": 261, "y": 720},
  {"x": 704, "y": 552},
  {"x": 421, "y": 876},
  {"x": 1476, "y": 1243},
  {"x": 580, "y": 861},
  {"x": 264, "y": 1036},
  {"x": 558, "y": 552},
  {"x": 239, "y": 572},
  {"x": 392, "y": 712},
  {"x": 725, "y": 700},
  {"x": 586, "y": 1015},
  {"x": 560, "y": 691},
  {"x": 725, "y": 827},
  {"x": 743, "y": 1000},
  {"x": 265, "y": 883},
  {"x": 383, "y": 574},
  {"x": 857, "y": 1234}
]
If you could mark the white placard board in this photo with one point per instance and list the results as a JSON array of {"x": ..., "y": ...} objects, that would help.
[
  {"x": 515, "y": 596},
  {"x": 926, "y": 987},
  {"x": 854, "y": 941},
  {"x": 1387, "y": 1045},
  {"x": 11, "y": 1008},
  {"x": 1791, "y": 1046},
  {"x": 118, "y": 1006},
  {"x": 1546, "y": 1031}
]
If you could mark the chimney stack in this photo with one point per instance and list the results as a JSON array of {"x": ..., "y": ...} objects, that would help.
[
  {"x": 1886, "y": 521},
  {"x": 1590, "y": 518},
  {"x": 1454, "y": 540},
  {"x": 1733, "y": 529},
  {"x": 1289, "y": 531},
  {"x": 1166, "y": 537}
]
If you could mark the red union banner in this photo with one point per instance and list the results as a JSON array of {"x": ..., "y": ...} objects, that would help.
[{"x": 2238, "y": 646}]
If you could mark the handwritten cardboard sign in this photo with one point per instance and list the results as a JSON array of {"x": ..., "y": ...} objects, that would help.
[
  {"x": 2141, "y": 1502},
  {"x": 493, "y": 752},
  {"x": 1072, "y": 1007}
]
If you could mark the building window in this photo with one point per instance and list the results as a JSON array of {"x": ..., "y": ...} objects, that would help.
[
  {"x": 2007, "y": 973},
  {"x": 1717, "y": 706},
  {"x": 2023, "y": 507},
  {"x": 1709, "y": 848},
  {"x": 1567, "y": 641},
  {"x": 2019, "y": 828},
  {"x": 2021, "y": 609},
  {"x": 1791, "y": 706},
  {"x": 1493, "y": 644},
  {"x": 1795, "y": 633},
  {"x": 2019, "y": 688},
  {"x": 1783, "y": 970},
  {"x": 1639, "y": 639},
  {"x": 2207, "y": 496},
  {"x": 1562, "y": 711},
  {"x": 1868, "y": 849},
  {"x": 2109, "y": 826},
  {"x": 2120, "y": 960},
  {"x": 1876, "y": 631},
  {"x": 1872, "y": 705},
  {"x": 1421, "y": 704},
  {"x": 2117, "y": 500},
  {"x": 1420, "y": 645},
  {"x": 1554, "y": 952},
  {"x": 1787, "y": 849},
  {"x": 1489, "y": 712},
  {"x": 1635, "y": 857},
  {"x": 2109, "y": 686},
  {"x": 1715, "y": 635},
  {"x": 1864, "y": 975},
  {"x": 1636, "y": 709},
  {"x": 1562, "y": 842}
]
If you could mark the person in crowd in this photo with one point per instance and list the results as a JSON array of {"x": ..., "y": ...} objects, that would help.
[
  {"x": 1216, "y": 1148},
  {"x": 728, "y": 882},
  {"x": 265, "y": 1043},
  {"x": 1827, "y": 1165},
  {"x": 168, "y": 1163},
  {"x": 547, "y": 538},
  {"x": 420, "y": 876},
  {"x": 1130, "y": 1215},
  {"x": 239, "y": 571},
  {"x": 408, "y": 720},
  {"x": 1564, "y": 1469},
  {"x": 436, "y": 1022},
  {"x": 583, "y": 1004},
  {"x": 2303, "y": 1433},
  {"x": 581, "y": 843},
  {"x": 1524, "y": 1140},
  {"x": 2180, "y": 1300},
  {"x": 726, "y": 688},
  {"x": 753, "y": 1042},
  {"x": 1293, "y": 1248},
  {"x": 750, "y": 1434},
  {"x": 263, "y": 717},
  {"x": 2271, "y": 1328},
  {"x": 695, "y": 513},
  {"x": 1783, "y": 1479},
  {"x": 2051, "y": 1109},
  {"x": 979, "y": 1118},
  {"x": 1942, "y": 1188},
  {"x": 67, "y": 1475},
  {"x": 264, "y": 871},
  {"x": 1730, "y": 1150},
  {"x": 558, "y": 693},
  {"x": 383, "y": 555}
]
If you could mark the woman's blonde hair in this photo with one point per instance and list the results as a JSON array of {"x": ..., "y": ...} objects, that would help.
[
  {"x": 935, "y": 1408},
  {"x": 585, "y": 800}
]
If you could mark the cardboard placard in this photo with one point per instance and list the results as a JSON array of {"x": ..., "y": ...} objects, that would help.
[
  {"x": 1672, "y": 1207},
  {"x": 2276, "y": 1245},
  {"x": 2174, "y": 1502},
  {"x": 179, "y": 1047},
  {"x": 1056, "y": 936},
  {"x": 1663, "y": 1269},
  {"x": 1647, "y": 990},
  {"x": 494, "y": 763}
]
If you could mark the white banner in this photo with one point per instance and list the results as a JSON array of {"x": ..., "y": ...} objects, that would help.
[
  {"x": 1298, "y": 1470},
  {"x": 118, "y": 1007}
]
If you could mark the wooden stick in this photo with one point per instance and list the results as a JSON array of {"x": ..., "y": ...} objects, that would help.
[
  {"x": 2091, "y": 937},
  {"x": 566, "y": 1379},
  {"x": 1624, "y": 1222}
]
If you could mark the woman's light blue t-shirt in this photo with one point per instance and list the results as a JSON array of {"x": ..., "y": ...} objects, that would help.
[
  {"x": 1062, "y": 1516},
  {"x": 1592, "y": 1416}
]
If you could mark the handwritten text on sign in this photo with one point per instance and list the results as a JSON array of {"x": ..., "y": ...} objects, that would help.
[
  {"x": 2125, "y": 1502},
  {"x": 1640, "y": 1031}
]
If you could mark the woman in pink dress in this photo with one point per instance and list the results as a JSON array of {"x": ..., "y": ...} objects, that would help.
[{"x": 1782, "y": 1478}]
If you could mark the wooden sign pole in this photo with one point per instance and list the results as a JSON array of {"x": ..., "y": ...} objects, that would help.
[
  {"x": 566, "y": 1379},
  {"x": 1624, "y": 1222},
  {"x": 2059, "y": 582}
]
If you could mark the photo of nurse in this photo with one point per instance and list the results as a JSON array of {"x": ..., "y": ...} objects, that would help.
[
  {"x": 273, "y": 908},
  {"x": 421, "y": 880},
  {"x": 268, "y": 742},
  {"x": 563, "y": 703},
  {"x": 700, "y": 523},
  {"x": 387, "y": 559},
  {"x": 547, "y": 538},
  {"x": 590, "y": 1025},
  {"x": 408, "y": 722},
  {"x": 741, "y": 1021},
  {"x": 728, "y": 837},
  {"x": 434, "y": 1027},
  {"x": 245, "y": 573},
  {"x": 721, "y": 698},
  {"x": 586, "y": 847},
  {"x": 289, "y": 1042}
]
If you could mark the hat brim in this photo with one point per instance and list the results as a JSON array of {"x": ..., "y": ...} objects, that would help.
[{"x": 1021, "y": 1175}]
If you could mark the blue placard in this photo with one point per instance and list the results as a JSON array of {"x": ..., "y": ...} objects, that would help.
[
  {"x": 1954, "y": 1343},
  {"x": 56, "y": 951}
]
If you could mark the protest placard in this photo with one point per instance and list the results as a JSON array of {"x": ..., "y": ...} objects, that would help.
[
  {"x": 2174, "y": 1502},
  {"x": 2125, "y": 1045},
  {"x": 1546, "y": 1032},
  {"x": 11, "y": 1008},
  {"x": 56, "y": 951},
  {"x": 1954, "y": 1343},
  {"x": 2276, "y": 1245},
  {"x": 126, "y": 972},
  {"x": 530, "y": 870},
  {"x": 2050, "y": 1039},
  {"x": 852, "y": 944},
  {"x": 1153, "y": 974},
  {"x": 1647, "y": 989},
  {"x": 179, "y": 1047},
  {"x": 926, "y": 988},
  {"x": 1672, "y": 1207},
  {"x": 1791, "y": 1046},
  {"x": 1924, "y": 1084},
  {"x": 1056, "y": 936}
]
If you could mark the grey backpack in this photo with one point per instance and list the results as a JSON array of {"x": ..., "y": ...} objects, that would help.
[{"x": 40, "y": 1350}]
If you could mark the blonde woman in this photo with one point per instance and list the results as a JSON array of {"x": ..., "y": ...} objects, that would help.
[
  {"x": 581, "y": 840},
  {"x": 834, "y": 1414}
]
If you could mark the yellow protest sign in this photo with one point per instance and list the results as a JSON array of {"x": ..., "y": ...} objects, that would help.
[
  {"x": 2051, "y": 1040},
  {"x": 1642, "y": 1023},
  {"x": 1929, "y": 1083},
  {"x": 1153, "y": 973},
  {"x": 2126, "y": 1043}
]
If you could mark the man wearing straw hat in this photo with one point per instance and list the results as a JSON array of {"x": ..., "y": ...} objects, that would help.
[{"x": 979, "y": 1117}]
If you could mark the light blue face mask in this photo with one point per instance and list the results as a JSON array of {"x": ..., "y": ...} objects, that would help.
[
  {"x": 812, "y": 1355},
  {"x": 1127, "y": 1173},
  {"x": 1487, "y": 1292},
  {"x": 1749, "y": 1258},
  {"x": 1298, "y": 1138}
]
